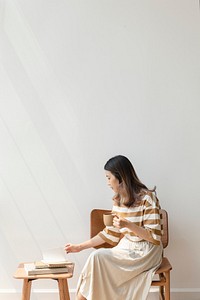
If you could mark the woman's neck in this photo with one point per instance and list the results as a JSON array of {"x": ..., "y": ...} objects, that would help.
[{"x": 123, "y": 199}]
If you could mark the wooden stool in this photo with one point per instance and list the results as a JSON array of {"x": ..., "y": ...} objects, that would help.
[{"x": 61, "y": 279}]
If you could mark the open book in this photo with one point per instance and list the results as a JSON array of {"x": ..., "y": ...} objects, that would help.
[
  {"x": 55, "y": 257},
  {"x": 54, "y": 261}
]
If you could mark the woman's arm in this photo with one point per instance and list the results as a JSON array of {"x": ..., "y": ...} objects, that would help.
[
  {"x": 93, "y": 242},
  {"x": 137, "y": 230}
]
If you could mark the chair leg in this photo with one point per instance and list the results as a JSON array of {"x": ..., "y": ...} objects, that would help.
[
  {"x": 167, "y": 286},
  {"x": 161, "y": 293},
  {"x": 161, "y": 288}
]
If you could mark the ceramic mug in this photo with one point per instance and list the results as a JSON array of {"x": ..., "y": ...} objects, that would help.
[{"x": 108, "y": 219}]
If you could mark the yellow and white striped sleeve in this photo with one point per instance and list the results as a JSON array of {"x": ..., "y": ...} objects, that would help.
[
  {"x": 151, "y": 217},
  {"x": 110, "y": 235}
]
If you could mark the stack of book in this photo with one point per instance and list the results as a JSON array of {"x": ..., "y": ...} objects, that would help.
[{"x": 39, "y": 268}]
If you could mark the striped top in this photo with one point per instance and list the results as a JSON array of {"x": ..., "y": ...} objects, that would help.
[{"x": 146, "y": 215}]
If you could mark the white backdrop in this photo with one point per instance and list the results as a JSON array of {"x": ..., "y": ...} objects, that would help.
[{"x": 81, "y": 81}]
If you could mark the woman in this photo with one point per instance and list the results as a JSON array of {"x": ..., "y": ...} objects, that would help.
[{"x": 125, "y": 271}]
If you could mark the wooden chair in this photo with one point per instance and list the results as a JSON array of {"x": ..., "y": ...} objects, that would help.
[{"x": 163, "y": 272}]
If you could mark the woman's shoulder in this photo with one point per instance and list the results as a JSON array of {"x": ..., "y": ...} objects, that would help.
[{"x": 150, "y": 198}]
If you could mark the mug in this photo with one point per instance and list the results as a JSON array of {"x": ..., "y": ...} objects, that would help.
[{"x": 108, "y": 219}]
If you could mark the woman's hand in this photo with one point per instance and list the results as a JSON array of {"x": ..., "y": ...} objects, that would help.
[
  {"x": 120, "y": 222},
  {"x": 93, "y": 242},
  {"x": 72, "y": 248},
  {"x": 139, "y": 231}
]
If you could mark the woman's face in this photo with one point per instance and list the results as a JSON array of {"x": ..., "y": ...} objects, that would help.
[{"x": 112, "y": 181}]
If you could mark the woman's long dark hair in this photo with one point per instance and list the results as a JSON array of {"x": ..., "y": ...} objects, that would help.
[{"x": 123, "y": 170}]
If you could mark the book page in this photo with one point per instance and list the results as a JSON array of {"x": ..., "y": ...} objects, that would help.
[{"x": 54, "y": 255}]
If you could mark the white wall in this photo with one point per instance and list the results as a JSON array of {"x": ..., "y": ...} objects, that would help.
[{"x": 81, "y": 81}]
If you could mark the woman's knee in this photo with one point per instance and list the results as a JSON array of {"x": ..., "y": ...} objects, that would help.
[{"x": 98, "y": 253}]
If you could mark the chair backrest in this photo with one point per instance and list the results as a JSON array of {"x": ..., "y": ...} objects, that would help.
[
  {"x": 97, "y": 225},
  {"x": 164, "y": 224}
]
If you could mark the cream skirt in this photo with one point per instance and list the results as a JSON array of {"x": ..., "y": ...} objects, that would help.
[{"x": 124, "y": 272}]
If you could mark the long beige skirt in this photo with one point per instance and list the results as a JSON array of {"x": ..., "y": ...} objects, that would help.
[{"x": 124, "y": 272}]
